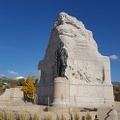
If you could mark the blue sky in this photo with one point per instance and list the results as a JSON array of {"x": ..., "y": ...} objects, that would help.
[{"x": 25, "y": 27}]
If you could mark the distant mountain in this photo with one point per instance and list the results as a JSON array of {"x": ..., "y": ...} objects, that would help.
[
  {"x": 5, "y": 80},
  {"x": 115, "y": 82}
]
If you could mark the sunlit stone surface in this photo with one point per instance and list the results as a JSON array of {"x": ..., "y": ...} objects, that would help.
[{"x": 88, "y": 79}]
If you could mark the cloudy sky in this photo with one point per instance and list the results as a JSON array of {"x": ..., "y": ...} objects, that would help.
[{"x": 25, "y": 27}]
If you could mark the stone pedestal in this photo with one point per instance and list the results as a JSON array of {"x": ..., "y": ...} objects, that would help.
[
  {"x": 69, "y": 94},
  {"x": 91, "y": 95},
  {"x": 11, "y": 95},
  {"x": 61, "y": 91}
]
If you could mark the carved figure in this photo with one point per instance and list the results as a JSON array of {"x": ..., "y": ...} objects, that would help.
[{"x": 61, "y": 56}]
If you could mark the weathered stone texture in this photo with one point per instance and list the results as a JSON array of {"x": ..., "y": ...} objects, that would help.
[{"x": 87, "y": 68}]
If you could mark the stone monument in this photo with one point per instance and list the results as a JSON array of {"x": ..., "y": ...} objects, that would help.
[{"x": 84, "y": 77}]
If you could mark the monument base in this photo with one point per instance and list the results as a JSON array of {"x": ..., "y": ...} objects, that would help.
[
  {"x": 87, "y": 95},
  {"x": 61, "y": 92}
]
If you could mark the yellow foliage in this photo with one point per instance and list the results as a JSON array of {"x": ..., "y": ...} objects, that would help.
[{"x": 29, "y": 88}]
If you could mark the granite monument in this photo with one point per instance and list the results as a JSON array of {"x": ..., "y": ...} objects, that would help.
[{"x": 77, "y": 75}]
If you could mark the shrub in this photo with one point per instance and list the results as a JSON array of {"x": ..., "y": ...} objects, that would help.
[
  {"x": 21, "y": 82},
  {"x": 62, "y": 117},
  {"x": 49, "y": 117},
  {"x": 23, "y": 116},
  {"x": 88, "y": 117},
  {"x": 76, "y": 116},
  {"x": 35, "y": 117},
  {"x": 11, "y": 116},
  {"x": 2, "y": 115}
]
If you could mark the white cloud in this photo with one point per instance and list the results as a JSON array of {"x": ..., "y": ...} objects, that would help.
[
  {"x": 113, "y": 57},
  {"x": 12, "y": 72},
  {"x": 19, "y": 77}
]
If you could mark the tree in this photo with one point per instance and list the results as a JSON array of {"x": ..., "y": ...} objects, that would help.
[
  {"x": 21, "y": 82},
  {"x": 29, "y": 88},
  {"x": 116, "y": 91}
]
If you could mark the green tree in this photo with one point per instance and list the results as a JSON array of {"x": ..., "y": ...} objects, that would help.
[{"x": 116, "y": 91}]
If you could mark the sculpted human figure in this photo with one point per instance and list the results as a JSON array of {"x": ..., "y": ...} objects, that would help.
[{"x": 61, "y": 56}]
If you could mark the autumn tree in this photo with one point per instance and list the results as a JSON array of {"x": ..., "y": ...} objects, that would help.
[{"x": 29, "y": 88}]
